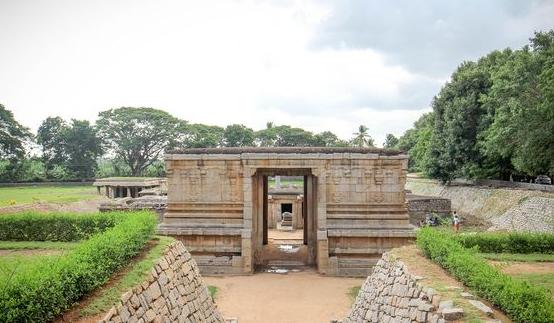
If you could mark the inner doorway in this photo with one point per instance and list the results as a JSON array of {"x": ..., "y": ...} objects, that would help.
[{"x": 287, "y": 208}]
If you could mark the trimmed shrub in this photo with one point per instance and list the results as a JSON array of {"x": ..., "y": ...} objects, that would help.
[
  {"x": 508, "y": 242},
  {"x": 35, "y": 226},
  {"x": 521, "y": 301},
  {"x": 43, "y": 291}
]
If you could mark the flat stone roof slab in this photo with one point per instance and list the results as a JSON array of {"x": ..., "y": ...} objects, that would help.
[{"x": 288, "y": 150}]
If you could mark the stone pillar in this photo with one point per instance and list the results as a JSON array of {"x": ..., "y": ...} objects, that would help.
[
  {"x": 258, "y": 216},
  {"x": 129, "y": 192},
  {"x": 247, "y": 252},
  {"x": 322, "y": 240},
  {"x": 322, "y": 252},
  {"x": 311, "y": 230}
]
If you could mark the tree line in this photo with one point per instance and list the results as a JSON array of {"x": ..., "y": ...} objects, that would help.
[
  {"x": 130, "y": 141},
  {"x": 493, "y": 119}
]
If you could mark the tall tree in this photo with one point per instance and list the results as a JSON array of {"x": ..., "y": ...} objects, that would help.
[
  {"x": 390, "y": 141},
  {"x": 362, "y": 137},
  {"x": 328, "y": 139},
  {"x": 493, "y": 119},
  {"x": 288, "y": 136},
  {"x": 415, "y": 142},
  {"x": 237, "y": 135},
  {"x": 138, "y": 136},
  {"x": 13, "y": 136},
  {"x": 199, "y": 136},
  {"x": 50, "y": 136},
  {"x": 522, "y": 133},
  {"x": 82, "y": 147},
  {"x": 69, "y": 150}
]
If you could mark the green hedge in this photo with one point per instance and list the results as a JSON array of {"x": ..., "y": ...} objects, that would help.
[
  {"x": 512, "y": 242},
  {"x": 35, "y": 226},
  {"x": 521, "y": 301},
  {"x": 44, "y": 291}
]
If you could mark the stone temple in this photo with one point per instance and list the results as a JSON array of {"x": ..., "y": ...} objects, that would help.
[{"x": 353, "y": 206}]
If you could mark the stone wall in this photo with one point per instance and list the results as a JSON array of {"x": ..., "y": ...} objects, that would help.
[
  {"x": 500, "y": 208},
  {"x": 392, "y": 294},
  {"x": 174, "y": 292},
  {"x": 420, "y": 206}
]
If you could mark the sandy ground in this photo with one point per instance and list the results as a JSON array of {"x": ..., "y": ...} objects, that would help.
[
  {"x": 273, "y": 298},
  {"x": 80, "y": 206},
  {"x": 30, "y": 252}
]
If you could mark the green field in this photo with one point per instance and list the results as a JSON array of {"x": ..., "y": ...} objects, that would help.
[
  {"x": 19, "y": 195},
  {"x": 23, "y": 254}
]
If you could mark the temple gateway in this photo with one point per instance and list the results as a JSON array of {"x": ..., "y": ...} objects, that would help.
[{"x": 351, "y": 210}]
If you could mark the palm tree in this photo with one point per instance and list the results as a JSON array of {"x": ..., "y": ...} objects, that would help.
[{"x": 362, "y": 138}]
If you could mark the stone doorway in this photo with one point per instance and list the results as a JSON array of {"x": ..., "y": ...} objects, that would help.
[
  {"x": 355, "y": 206},
  {"x": 287, "y": 229}
]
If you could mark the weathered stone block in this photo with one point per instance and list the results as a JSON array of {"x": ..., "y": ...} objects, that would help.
[{"x": 451, "y": 314}]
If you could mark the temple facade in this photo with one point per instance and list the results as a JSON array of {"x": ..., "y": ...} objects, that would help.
[{"x": 353, "y": 205}]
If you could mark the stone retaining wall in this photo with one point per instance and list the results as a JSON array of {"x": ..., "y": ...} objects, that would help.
[
  {"x": 420, "y": 206},
  {"x": 174, "y": 292},
  {"x": 503, "y": 208},
  {"x": 392, "y": 294}
]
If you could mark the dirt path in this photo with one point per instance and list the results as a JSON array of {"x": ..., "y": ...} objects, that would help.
[
  {"x": 272, "y": 298},
  {"x": 80, "y": 206},
  {"x": 30, "y": 252},
  {"x": 515, "y": 268}
]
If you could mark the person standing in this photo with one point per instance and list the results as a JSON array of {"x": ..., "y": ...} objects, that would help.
[{"x": 456, "y": 222}]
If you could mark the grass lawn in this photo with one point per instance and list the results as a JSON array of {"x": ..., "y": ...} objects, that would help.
[
  {"x": 18, "y": 195},
  {"x": 17, "y": 255},
  {"x": 15, "y": 245},
  {"x": 531, "y": 257}
]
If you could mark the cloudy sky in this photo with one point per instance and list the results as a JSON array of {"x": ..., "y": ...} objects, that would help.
[{"x": 320, "y": 65}]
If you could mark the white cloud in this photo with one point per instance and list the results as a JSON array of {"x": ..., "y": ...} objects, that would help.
[{"x": 213, "y": 62}]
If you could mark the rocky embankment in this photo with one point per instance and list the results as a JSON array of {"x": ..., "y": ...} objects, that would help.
[
  {"x": 498, "y": 208},
  {"x": 174, "y": 292},
  {"x": 392, "y": 294}
]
